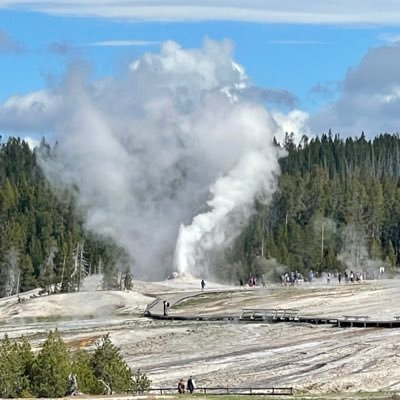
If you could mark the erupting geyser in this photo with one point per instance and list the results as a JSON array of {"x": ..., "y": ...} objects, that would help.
[
  {"x": 179, "y": 145},
  {"x": 233, "y": 193}
]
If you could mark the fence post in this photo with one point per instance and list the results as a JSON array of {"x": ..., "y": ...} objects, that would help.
[{"x": 250, "y": 391}]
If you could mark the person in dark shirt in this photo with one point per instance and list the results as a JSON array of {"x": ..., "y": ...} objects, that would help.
[{"x": 190, "y": 384}]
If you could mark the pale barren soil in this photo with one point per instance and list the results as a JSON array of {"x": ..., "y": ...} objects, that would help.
[{"x": 313, "y": 359}]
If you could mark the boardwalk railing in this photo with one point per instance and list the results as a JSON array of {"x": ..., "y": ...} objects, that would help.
[
  {"x": 270, "y": 313},
  {"x": 357, "y": 317},
  {"x": 274, "y": 391},
  {"x": 151, "y": 305}
]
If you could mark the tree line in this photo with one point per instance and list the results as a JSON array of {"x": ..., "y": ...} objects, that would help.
[
  {"x": 56, "y": 371},
  {"x": 42, "y": 237},
  {"x": 337, "y": 208}
]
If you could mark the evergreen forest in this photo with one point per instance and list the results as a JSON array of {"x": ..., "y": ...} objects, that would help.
[
  {"x": 42, "y": 237},
  {"x": 337, "y": 207}
]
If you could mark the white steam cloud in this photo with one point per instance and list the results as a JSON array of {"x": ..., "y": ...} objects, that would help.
[
  {"x": 175, "y": 147},
  {"x": 253, "y": 173}
]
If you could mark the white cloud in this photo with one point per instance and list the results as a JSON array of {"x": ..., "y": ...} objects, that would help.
[
  {"x": 284, "y": 11},
  {"x": 36, "y": 111},
  {"x": 390, "y": 37},
  {"x": 369, "y": 97},
  {"x": 32, "y": 142},
  {"x": 295, "y": 121},
  {"x": 125, "y": 43}
]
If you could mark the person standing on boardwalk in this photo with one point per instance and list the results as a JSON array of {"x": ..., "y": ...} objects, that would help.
[
  {"x": 166, "y": 307},
  {"x": 203, "y": 285},
  {"x": 190, "y": 384}
]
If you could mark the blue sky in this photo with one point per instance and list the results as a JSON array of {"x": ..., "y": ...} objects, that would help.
[
  {"x": 290, "y": 56},
  {"x": 305, "y": 51}
]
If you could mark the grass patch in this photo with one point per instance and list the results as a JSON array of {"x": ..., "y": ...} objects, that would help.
[{"x": 299, "y": 396}]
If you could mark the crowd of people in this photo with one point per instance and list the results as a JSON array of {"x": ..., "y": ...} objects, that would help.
[
  {"x": 252, "y": 281},
  {"x": 293, "y": 278}
]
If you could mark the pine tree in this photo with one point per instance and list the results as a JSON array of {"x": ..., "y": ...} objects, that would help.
[
  {"x": 26, "y": 357},
  {"x": 8, "y": 198},
  {"x": 12, "y": 370},
  {"x": 47, "y": 276},
  {"x": 28, "y": 280},
  {"x": 51, "y": 368},
  {"x": 110, "y": 277},
  {"x": 82, "y": 367},
  {"x": 140, "y": 382},
  {"x": 110, "y": 368}
]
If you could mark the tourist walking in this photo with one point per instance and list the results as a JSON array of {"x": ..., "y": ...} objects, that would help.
[{"x": 191, "y": 386}]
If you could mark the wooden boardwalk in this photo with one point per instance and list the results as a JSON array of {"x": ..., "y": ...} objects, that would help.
[{"x": 276, "y": 315}]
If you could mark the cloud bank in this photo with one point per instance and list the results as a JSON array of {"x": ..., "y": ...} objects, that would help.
[
  {"x": 369, "y": 97},
  {"x": 284, "y": 11}
]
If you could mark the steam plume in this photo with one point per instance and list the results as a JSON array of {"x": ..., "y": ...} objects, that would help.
[
  {"x": 171, "y": 144},
  {"x": 253, "y": 173}
]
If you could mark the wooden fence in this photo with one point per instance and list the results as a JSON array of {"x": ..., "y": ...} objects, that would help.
[{"x": 274, "y": 391}]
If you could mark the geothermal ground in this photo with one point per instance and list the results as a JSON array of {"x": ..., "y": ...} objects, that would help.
[{"x": 311, "y": 358}]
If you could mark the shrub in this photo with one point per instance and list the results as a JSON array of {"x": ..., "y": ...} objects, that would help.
[
  {"x": 51, "y": 368},
  {"x": 109, "y": 366},
  {"x": 140, "y": 382}
]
